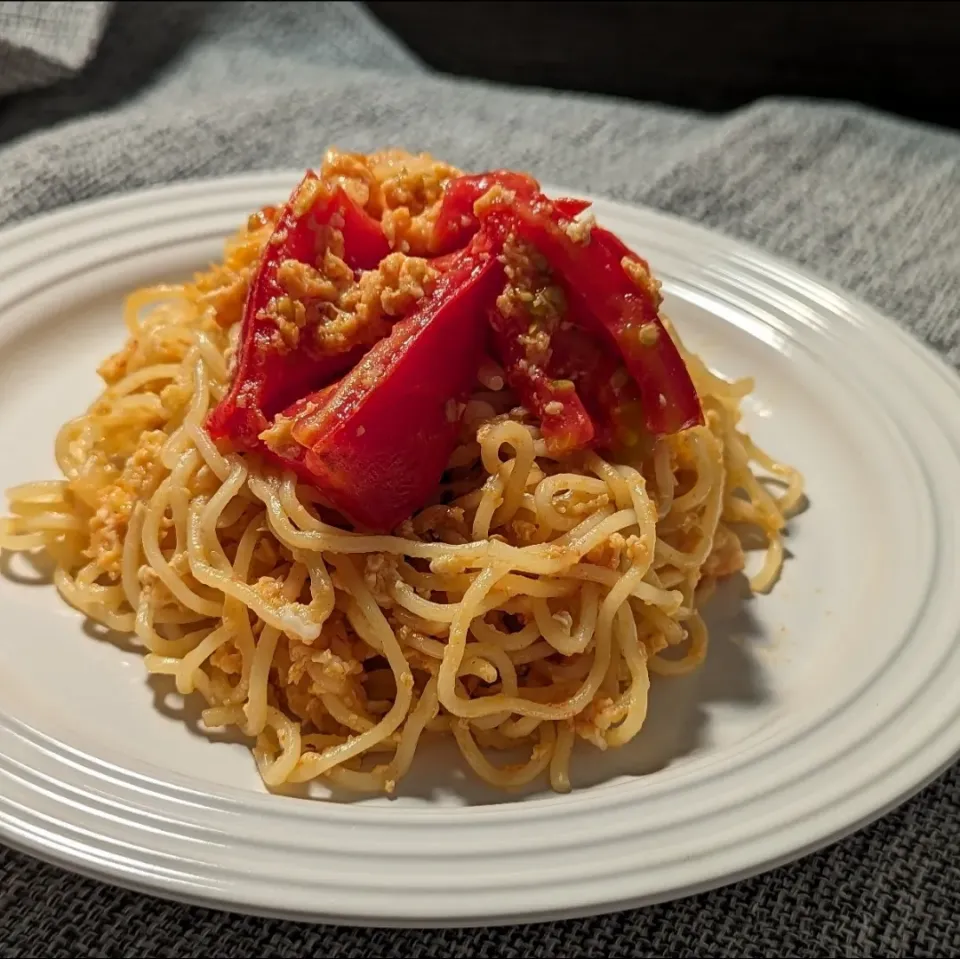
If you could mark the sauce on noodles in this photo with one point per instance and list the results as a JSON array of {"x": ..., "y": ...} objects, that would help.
[{"x": 521, "y": 610}]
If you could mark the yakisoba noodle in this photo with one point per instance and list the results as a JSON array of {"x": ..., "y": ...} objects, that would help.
[{"x": 522, "y": 610}]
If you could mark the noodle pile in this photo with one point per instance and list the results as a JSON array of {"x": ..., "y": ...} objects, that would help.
[{"x": 523, "y": 609}]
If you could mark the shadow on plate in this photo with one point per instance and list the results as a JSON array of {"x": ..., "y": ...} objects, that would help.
[
  {"x": 128, "y": 642},
  {"x": 187, "y": 710},
  {"x": 34, "y": 568}
]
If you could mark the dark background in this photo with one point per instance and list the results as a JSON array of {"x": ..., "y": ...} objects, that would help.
[{"x": 900, "y": 57}]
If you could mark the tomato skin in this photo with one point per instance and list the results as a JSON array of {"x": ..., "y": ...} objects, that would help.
[
  {"x": 268, "y": 375},
  {"x": 377, "y": 445}
]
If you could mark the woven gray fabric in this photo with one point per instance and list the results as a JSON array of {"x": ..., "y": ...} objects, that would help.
[
  {"x": 44, "y": 42},
  {"x": 192, "y": 89}
]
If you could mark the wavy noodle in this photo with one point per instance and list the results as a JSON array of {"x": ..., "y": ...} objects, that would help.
[{"x": 520, "y": 613}]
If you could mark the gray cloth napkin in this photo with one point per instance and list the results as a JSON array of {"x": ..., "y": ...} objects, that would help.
[{"x": 180, "y": 90}]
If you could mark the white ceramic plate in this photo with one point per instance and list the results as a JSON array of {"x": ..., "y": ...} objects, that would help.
[{"x": 819, "y": 707}]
